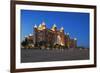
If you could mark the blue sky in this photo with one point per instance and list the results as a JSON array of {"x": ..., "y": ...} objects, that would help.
[{"x": 74, "y": 23}]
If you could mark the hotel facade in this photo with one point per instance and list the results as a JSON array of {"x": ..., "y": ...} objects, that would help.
[{"x": 50, "y": 37}]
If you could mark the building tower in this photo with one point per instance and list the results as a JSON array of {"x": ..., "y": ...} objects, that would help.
[
  {"x": 43, "y": 25},
  {"x": 67, "y": 40},
  {"x": 35, "y": 34},
  {"x": 75, "y": 42},
  {"x": 62, "y": 36},
  {"x": 54, "y": 27},
  {"x": 54, "y": 30},
  {"x": 43, "y": 31}
]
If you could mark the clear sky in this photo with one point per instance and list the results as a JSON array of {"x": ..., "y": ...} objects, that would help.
[{"x": 74, "y": 23}]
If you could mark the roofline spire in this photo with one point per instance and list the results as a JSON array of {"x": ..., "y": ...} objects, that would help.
[
  {"x": 43, "y": 23},
  {"x": 75, "y": 38},
  {"x": 62, "y": 28},
  {"x": 35, "y": 26}
]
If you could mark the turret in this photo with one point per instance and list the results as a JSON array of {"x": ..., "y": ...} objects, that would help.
[
  {"x": 67, "y": 40},
  {"x": 75, "y": 39},
  {"x": 75, "y": 42},
  {"x": 67, "y": 33},
  {"x": 62, "y": 29},
  {"x": 30, "y": 34},
  {"x": 43, "y": 25},
  {"x": 35, "y": 34},
  {"x": 35, "y": 26},
  {"x": 54, "y": 28},
  {"x": 40, "y": 27}
]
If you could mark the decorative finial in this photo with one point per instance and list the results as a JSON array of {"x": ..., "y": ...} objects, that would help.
[
  {"x": 54, "y": 25},
  {"x": 25, "y": 36},
  {"x": 75, "y": 38},
  {"x": 43, "y": 23},
  {"x": 40, "y": 27},
  {"x": 67, "y": 33},
  {"x": 62, "y": 28},
  {"x": 30, "y": 34},
  {"x": 35, "y": 26}
]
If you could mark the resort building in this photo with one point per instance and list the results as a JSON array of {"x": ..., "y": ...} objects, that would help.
[{"x": 50, "y": 37}]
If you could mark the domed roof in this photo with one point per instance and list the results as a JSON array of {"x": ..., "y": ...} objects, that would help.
[
  {"x": 35, "y": 26},
  {"x": 40, "y": 27},
  {"x": 62, "y": 28},
  {"x": 53, "y": 27},
  {"x": 75, "y": 38},
  {"x": 43, "y": 23},
  {"x": 30, "y": 34},
  {"x": 67, "y": 33}
]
